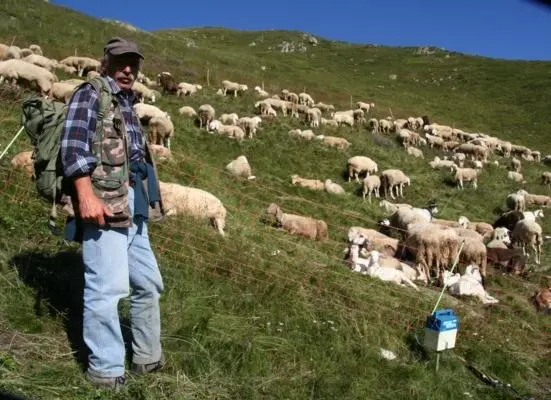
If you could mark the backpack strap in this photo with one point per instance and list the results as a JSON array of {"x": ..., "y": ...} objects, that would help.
[{"x": 101, "y": 86}]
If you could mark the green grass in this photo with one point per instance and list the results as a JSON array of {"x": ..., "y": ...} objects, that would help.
[{"x": 262, "y": 314}]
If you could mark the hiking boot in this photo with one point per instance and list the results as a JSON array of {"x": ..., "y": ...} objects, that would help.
[
  {"x": 101, "y": 382},
  {"x": 147, "y": 368}
]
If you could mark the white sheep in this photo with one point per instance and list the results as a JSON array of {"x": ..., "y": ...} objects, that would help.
[
  {"x": 36, "y": 49},
  {"x": 147, "y": 111},
  {"x": 415, "y": 152},
  {"x": 516, "y": 165},
  {"x": 39, "y": 60},
  {"x": 438, "y": 163},
  {"x": 62, "y": 91},
  {"x": 233, "y": 87},
  {"x": 178, "y": 199},
  {"x": 261, "y": 92},
  {"x": 81, "y": 64},
  {"x": 465, "y": 175},
  {"x": 334, "y": 141},
  {"x": 205, "y": 114},
  {"x": 528, "y": 233},
  {"x": 394, "y": 178},
  {"x": 500, "y": 238},
  {"x": 334, "y": 188},
  {"x": 374, "y": 240},
  {"x": 24, "y": 161},
  {"x": 516, "y": 201},
  {"x": 19, "y": 70},
  {"x": 371, "y": 184},
  {"x": 468, "y": 284},
  {"x": 315, "y": 229},
  {"x": 364, "y": 106},
  {"x": 314, "y": 184},
  {"x": 391, "y": 208},
  {"x": 249, "y": 124},
  {"x": 240, "y": 167},
  {"x": 161, "y": 129},
  {"x": 328, "y": 122},
  {"x": 360, "y": 164},
  {"x": 142, "y": 92},
  {"x": 187, "y": 89},
  {"x": 229, "y": 119},
  {"x": 233, "y": 131},
  {"x": 306, "y": 99},
  {"x": 160, "y": 152},
  {"x": 187, "y": 111},
  {"x": 307, "y": 134},
  {"x": 515, "y": 177}
]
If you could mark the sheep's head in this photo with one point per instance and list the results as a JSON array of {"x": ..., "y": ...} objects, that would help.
[
  {"x": 272, "y": 209},
  {"x": 214, "y": 125},
  {"x": 463, "y": 222},
  {"x": 538, "y": 213}
]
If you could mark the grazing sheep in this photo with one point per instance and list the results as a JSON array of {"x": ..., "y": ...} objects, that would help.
[
  {"x": 62, "y": 91},
  {"x": 233, "y": 131},
  {"x": 36, "y": 49},
  {"x": 335, "y": 188},
  {"x": 143, "y": 92},
  {"x": 41, "y": 61},
  {"x": 205, "y": 115},
  {"x": 161, "y": 129},
  {"x": 528, "y": 233},
  {"x": 515, "y": 177},
  {"x": 22, "y": 72},
  {"x": 438, "y": 163},
  {"x": 329, "y": 122},
  {"x": 371, "y": 183},
  {"x": 364, "y": 106},
  {"x": 178, "y": 199},
  {"x": 468, "y": 284},
  {"x": 261, "y": 92},
  {"x": 535, "y": 199},
  {"x": 516, "y": 201},
  {"x": 394, "y": 178},
  {"x": 229, "y": 119},
  {"x": 314, "y": 184},
  {"x": 249, "y": 124},
  {"x": 187, "y": 89},
  {"x": 391, "y": 208},
  {"x": 373, "y": 125},
  {"x": 359, "y": 164},
  {"x": 82, "y": 64},
  {"x": 24, "y": 161},
  {"x": 240, "y": 167},
  {"x": 515, "y": 164},
  {"x": 311, "y": 228},
  {"x": 546, "y": 179},
  {"x": 465, "y": 175},
  {"x": 187, "y": 111},
  {"x": 415, "y": 152},
  {"x": 233, "y": 87},
  {"x": 166, "y": 81},
  {"x": 146, "y": 112}
]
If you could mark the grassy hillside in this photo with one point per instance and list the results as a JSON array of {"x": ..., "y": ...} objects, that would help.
[{"x": 261, "y": 314}]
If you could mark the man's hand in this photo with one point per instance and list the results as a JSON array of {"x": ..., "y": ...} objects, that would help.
[{"x": 91, "y": 208}]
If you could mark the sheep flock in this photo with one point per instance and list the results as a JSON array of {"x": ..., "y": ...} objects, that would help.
[{"x": 411, "y": 243}]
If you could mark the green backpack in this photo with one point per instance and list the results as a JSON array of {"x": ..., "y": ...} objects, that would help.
[{"x": 43, "y": 120}]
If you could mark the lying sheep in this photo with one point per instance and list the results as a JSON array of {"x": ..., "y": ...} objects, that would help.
[
  {"x": 483, "y": 228},
  {"x": 24, "y": 161},
  {"x": 438, "y": 163},
  {"x": 511, "y": 260},
  {"x": 371, "y": 183},
  {"x": 314, "y": 184},
  {"x": 415, "y": 152},
  {"x": 82, "y": 64},
  {"x": 374, "y": 240},
  {"x": 178, "y": 199},
  {"x": 334, "y": 141},
  {"x": 394, "y": 178},
  {"x": 240, "y": 167},
  {"x": 334, "y": 188},
  {"x": 360, "y": 164},
  {"x": 473, "y": 252},
  {"x": 41, "y": 61},
  {"x": 307, "y": 134},
  {"x": 468, "y": 284},
  {"x": 161, "y": 129},
  {"x": 311, "y": 228}
]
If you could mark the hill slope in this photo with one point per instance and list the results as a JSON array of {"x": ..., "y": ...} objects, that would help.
[{"x": 262, "y": 314}]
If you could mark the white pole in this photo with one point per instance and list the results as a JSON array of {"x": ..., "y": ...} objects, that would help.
[{"x": 13, "y": 140}]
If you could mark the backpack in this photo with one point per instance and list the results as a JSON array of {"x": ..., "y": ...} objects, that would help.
[{"x": 43, "y": 120}]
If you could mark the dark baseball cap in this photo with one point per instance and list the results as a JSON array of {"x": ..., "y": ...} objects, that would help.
[{"x": 117, "y": 46}]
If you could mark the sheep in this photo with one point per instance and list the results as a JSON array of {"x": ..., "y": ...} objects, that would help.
[
  {"x": 187, "y": 89},
  {"x": 261, "y": 92},
  {"x": 233, "y": 87},
  {"x": 394, "y": 178},
  {"x": 187, "y": 111},
  {"x": 533, "y": 215},
  {"x": 438, "y": 163},
  {"x": 472, "y": 252},
  {"x": 341, "y": 118},
  {"x": 62, "y": 91},
  {"x": 314, "y": 184},
  {"x": 500, "y": 238},
  {"x": 483, "y": 228},
  {"x": 21, "y": 71},
  {"x": 375, "y": 240},
  {"x": 161, "y": 129},
  {"x": 515, "y": 177},
  {"x": 391, "y": 208},
  {"x": 313, "y": 115},
  {"x": 512, "y": 260},
  {"x": 373, "y": 125},
  {"x": 371, "y": 266},
  {"x": 13, "y": 52},
  {"x": 535, "y": 199},
  {"x": 359, "y": 164},
  {"x": 24, "y": 161},
  {"x": 39, "y": 60},
  {"x": 178, "y": 199},
  {"x": 229, "y": 119},
  {"x": 146, "y": 112},
  {"x": 371, "y": 183},
  {"x": 516, "y": 201},
  {"x": 240, "y": 167},
  {"x": 166, "y": 81},
  {"x": 515, "y": 164},
  {"x": 475, "y": 151},
  {"x": 249, "y": 124},
  {"x": 160, "y": 151},
  {"x": 334, "y": 188},
  {"x": 415, "y": 152},
  {"x": 306, "y": 134},
  {"x": 364, "y": 106},
  {"x": 335, "y": 141},
  {"x": 546, "y": 179},
  {"x": 468, "y": 284},
  {"x": 233, "y": 131},
  {"x": 325, "y": 107},
  {"x": 82, "y": 64},
  {"x": 205, "y": 114},
  {"x": 329, "y": 122},
  {"x": 465, "y": 175},
  {"x": 385, "y": 126},
  {"x": 306, "y": 99},
  {"x": 528, "y": 233},
  {"x": 273, "y": 103},
  {"x": 311, "y": 228},
  {"x": 143, "y": 92},
  {"x": 36, "y": 49}
]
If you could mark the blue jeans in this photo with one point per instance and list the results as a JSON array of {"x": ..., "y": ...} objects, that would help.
[{"x": 119, "y": 262}]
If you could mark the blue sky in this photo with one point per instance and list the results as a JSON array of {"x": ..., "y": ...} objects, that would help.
[{"x": 511, "y": 29}]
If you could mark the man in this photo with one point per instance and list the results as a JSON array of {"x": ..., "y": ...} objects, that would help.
[{"x": 107, "y": 161}]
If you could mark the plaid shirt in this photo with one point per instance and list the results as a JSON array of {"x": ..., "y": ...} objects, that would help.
[{"x": 79, "y": 128}]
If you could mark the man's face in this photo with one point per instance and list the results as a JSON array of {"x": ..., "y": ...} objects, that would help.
[{"x": 123, "y": 69}]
